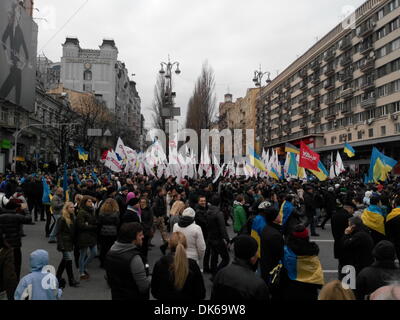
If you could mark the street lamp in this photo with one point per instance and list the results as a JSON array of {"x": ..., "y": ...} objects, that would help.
[{"x": 257, "y": 79}]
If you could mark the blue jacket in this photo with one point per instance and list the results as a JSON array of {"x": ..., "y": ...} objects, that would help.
[{"x": 39, "y": 284}]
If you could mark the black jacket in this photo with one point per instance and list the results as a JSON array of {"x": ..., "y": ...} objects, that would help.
[
  {"x": 238, "y": 282},
  {"x": 392, "y": 229},
  {"x": 159, "y": 207},
  {"x": 201, "y": 219},
  {"x": 121, "y": 200},
  {"x": 330, "y": 201},
  {"x": 10, "y": 224},
  {"x": 271, "y": 249},
  {"x": 162, "y": 282},
  {"x": 147, "y": 220},
  {"x": 309, "y": 204},
  {"x": 378, "y": 275},
  {"x": 339, "y": 223},
  {"x": 131, "y": 215},
  {"x": 216, "y": 229},
  {"x": 357, "y": 249},
  {"x": 65, "y": 234},
  {"x": 108, "y": 224}
]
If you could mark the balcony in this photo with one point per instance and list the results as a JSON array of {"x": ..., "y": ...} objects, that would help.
[
  {"x": 368, "y": 103},
  {"x": 366, "y": 48},
  {"x": 348, "y": 93},
  {"x": 303, "y": 86},
  {"x": 315, "y": 65},
  {"x": 346, "y": 77},
  {"x": 368, "y": 85},
  {"x": 329, "y": 71},
  {"x": 346, "y": 61},
  {"x": 368, "y": 65},
  {"x": 303, "y": 124},
  {"x": 329, "y": 56},
  {"x": 345, "y": 44},
  {"x": 315, "y": 92},
  {"x": 315, "y": 120},
  {"x": 316, "y": 107},
  {"x": 315, "y": 81},
  {"x": 366, "y": 29},
  {"x": 303, "y": 100},
  {"x": 303, "y": 111},
  {"x": 330, "y": 116},
  {"x": 329, "y": 86},
  {"x": 347, "y": 110}
]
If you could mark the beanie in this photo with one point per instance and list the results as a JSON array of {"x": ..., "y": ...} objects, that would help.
[
  {"x": 384, "y": 250},
  {"x": 245, "y": 247},
  {"x": 189, "y": 212}
]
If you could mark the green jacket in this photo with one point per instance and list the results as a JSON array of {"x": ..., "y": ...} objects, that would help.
[
  {"x": 65, "y": 235},
  {"x": 239, "y": 217},
  {"x": 86, "y": 222}
]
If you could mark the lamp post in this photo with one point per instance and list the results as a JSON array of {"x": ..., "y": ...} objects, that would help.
[
  {"x": 169, "y": 95},
  {"x": 257, "y": 79},
  {"x": 17, "y": 133}
]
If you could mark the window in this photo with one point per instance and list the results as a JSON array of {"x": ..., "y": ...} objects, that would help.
[
  {"x": 87, "y": 75},
  {"x": 381, "y": 14},
  {"x": 87, "y": 87},
  {"x": 398, "y": 127},
  {"x": 324, "y": 141},
  {"x": 3, "y": 114},
  {"x": 359, "y": 135},
  {"x": 333, "y": 140},
  {"x": 396, "y": 106},
  {"x": 383, "y": 130},
  {"x": 371, "y": 132},
  {"x": 349, "y": 137}
]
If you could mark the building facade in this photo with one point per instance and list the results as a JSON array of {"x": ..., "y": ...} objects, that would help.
[
  {"x": 48, "y": 73},
  {"x": 346, "y": 88}
]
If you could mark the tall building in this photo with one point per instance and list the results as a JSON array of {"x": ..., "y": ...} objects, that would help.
[
  {"x": 48, "y": 73},
  {"x": 345, "y": 88}
]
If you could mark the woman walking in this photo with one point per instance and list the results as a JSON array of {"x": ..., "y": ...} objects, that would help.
[{"x": 65, "y": 242}]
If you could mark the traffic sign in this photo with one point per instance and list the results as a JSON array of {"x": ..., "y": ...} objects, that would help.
[
  {"x": 107, "y": 133},
  {"x": 170, "y": 112},
  {"x": 94, "y": 132}
]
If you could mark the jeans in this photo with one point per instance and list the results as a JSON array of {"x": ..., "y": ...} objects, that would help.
[
  {"x": 86, "y": 257},
  {"x": 53, "y": 233},
  {"x": 218, "y": 249},
  {"x": 48, "y": 219}
]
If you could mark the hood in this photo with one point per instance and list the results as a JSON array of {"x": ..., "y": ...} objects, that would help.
[
  {"x": 213, "y": 209},
  {"x": 119, "y": 247},
  {"x": 39, "y": 259},
  {"x": 384, "y": 250},
  {"x": 185, "y": 221},
  {"x": 236, "y": 203}
]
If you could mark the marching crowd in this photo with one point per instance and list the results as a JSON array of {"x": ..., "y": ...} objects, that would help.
[{"x": 115, "y": 217}]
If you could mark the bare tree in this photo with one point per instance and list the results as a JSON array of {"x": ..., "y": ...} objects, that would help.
[
  {"x": 159, "y": 103},
  {"x": 201, "y": 106}
]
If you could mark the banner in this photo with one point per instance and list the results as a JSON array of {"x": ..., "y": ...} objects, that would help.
[{"x": 308, "y": 158}]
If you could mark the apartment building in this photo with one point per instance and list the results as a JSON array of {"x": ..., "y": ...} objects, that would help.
[{"x": 346, "y": 88}]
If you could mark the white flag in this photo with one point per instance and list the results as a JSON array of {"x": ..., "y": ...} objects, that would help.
[
  {"x": 332, "y": 174},
  {"x": 339, "y": 167},
  {"x": 112, "y": 162},
  {"x": 120, "y": 149}
]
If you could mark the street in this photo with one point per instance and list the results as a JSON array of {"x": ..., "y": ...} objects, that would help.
[{"x": 96, "y": 287}]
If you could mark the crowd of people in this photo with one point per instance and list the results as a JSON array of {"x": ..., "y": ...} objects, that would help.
[{"x": 267, "y": 224}]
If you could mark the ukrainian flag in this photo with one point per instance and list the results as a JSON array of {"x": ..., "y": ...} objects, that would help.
[
  {"x": 285, "y": 212},
  {"x": 374, "y": 218},
  {"x": 322, "y": 174},
  {"x": 380, "y": 166},
  {"x": 395, "y": 212},
  {"x": 274, "y": 174},
  {"x": 75, "y": 175},
  {"x": 82, "y": 154},
  {"x": 348, "y": 149},
  {"x": 256, "y": 161},
  {"x": 305, "y": 269},
  {"x": 291, "y": 148},
  {"x": 293, "y": 165},
  {"x": 257, "y": 227},
  {"x": 46, "y": 192}
]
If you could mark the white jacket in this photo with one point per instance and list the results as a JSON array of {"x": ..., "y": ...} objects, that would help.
[{"x": 196, "y": 247}]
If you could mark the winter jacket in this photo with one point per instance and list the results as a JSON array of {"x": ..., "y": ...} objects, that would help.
[
  {"x": 3, "y": 200},
  {"x": 108, "y": 224},
  {"x": 8, "y": 277},
  {"x": 216, "y": 226},
  {"x": 87, "y": 227},
  {"x": 31, "y": 286},
  {"x": 10, "y": 223},
  {"x": 131, "y": 215},
  {"x": 238, "y": 282},
  {"x": 196, "y": 246},
  {"x": 339, "y": 223},
  {"x": 330, "y": 201},
  {"x": 392, "y": 228},
  {"x": 309, "y": 204},
  {"x": 147, "y": 221},
  {"x": 125, "y": 271},
  {"x": 57, "y": 204},
  {"x": 239, "y": 217},
  {"x": 271, "y": 250},
  {"x": 159, "y": 207},
  {"x": 162, "y": 282},
  {"x": 121, "y": 200},
  {"x": 357, "y": 249},
  {"x": 65, "y": 235},
  {"x": 378, "y": 275},
  {"x": 201, "y": 219}
]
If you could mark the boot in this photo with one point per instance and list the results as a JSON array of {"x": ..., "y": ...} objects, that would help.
[
  {"x": 60, "y": 270},
  {"x": 70, "y": 273}
]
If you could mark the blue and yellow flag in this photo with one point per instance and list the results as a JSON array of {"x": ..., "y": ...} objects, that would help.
[
  {"x": 285, "y": 212},
  {"x": 82, "y": 154},
  {"x": 274, "y": 174},
  {"x": 96, "y": 180},
  {"x": 322, "y": 174},
  {"x": 374, "y": 218},
  {"x": 256, "y": 161},
  {"x": 380, "y": 166},
  {"x": 293, "y": 165},
  {"x": 305, "y": 269},
  {"x": 291, "y": 148},
  {"x": 46, "y": 192},
  {"x": 257, "y": 227},
  {"x": 348, "y": 149},
  {"x": 393, "y": 214}
]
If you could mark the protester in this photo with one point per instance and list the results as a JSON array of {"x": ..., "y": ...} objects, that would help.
[
  {"x": 334, "y": 290},
  {"x": 8, "y": 277},
  {"x": 125, "y": 270},
  {"x": 57, "y": 204},
  {"x": 87, "y": 235},
  {"x": 176, "y": 277},
  {"x": 392, "y": 226},
  {"x": 239, "y": 214},
  {"x": 238, "y": 281},
  {"x": 374, "y": 219},
  {"x": 310, "y": 209},
  {"x": 147, "y": 221},
  {"x": 160, "y": 213},
  {"x": 31, "y": 286}
]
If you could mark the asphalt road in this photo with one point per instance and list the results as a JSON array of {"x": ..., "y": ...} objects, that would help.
[{"x": 96, "y": 287}]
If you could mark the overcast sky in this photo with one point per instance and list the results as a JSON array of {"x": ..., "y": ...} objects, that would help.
[{"x": 234, "y": 36}]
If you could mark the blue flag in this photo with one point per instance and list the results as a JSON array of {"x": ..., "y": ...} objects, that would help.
[
  {"x": 75, "y": 175},
  {"x": 46, "y": 191}
]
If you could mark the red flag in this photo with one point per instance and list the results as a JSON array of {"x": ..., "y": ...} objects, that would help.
[
  {"x": 104, "y": 155},
  {"x": 308, "y": 158}
]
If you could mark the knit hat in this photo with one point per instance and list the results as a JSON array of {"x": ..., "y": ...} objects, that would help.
[
  {"x": 133, "y": 202},
  {"x": 245, "y": 247},
  {"x": 384, "y": 250},
  {"x": 188, "y": 212},
  {"x": 130, "y": 196},
  {"x": 300, "y": 232},
  {"x": 124, "y": 189}
]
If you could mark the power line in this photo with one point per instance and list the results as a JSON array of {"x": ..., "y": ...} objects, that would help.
[{"x": 65, "y": 24}]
